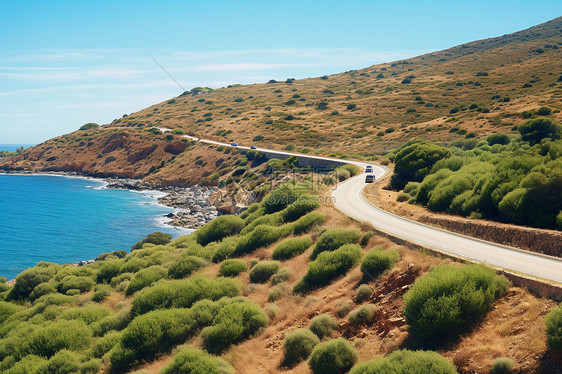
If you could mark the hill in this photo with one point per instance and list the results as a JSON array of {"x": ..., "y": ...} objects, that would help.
[{"x": 473, "y": 90}]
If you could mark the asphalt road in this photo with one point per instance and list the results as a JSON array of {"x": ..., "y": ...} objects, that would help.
[{"x": 348, "y": 198}]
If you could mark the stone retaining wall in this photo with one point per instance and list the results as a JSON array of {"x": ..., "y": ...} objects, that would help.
[{"x": 548, "y": 242}]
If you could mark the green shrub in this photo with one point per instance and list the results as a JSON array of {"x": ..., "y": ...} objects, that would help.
[
  {"x": 299, "y": 209},
  {"x": 30, "y": 364},
  {"x": 413, "y": 163},
  {"x": 307, "y": 222},
  {"x": 353, "y": 169},
  {"x": 263, "y": 270},
  {"x": 42, "y": 289},
  {"x": 108, "y": 270},
  {"x": 498, "y": 138},
  {"x": 231, "y": 268},
  {"x": 27, "y": 280},
  {"x": 298, "y": 346},
  {"x": 328, "y": 266},
  {"x": 291, "y": 248},
  {"x": 502, "y": 365},
  {"x": 72, "y": 282},
  {"x": 185, "y": 266},
  {"x": 365, "y": 238},
  {"x": 7, "y": 309},
  {"x": 282, "y": 275},
  {"x": 553, "y": 323},
  {"x": 218, "y": 229},
  {"x": 105, "y": 344},
  {"x": 278, "y": 199},
  {"x": 278, "y": 291},
  {"x": 333, "y": 357},
  {"x": 145, "y": 278},
  {"x": 157, "y": 238},
  {"x": 64, "y": 362},
  {"x": 195, "y": 361},
  {"x": 344, "y": 307},
  {"x": 150, "y": 334},
  {"x": 234, "y": 323},
  {"x": 323, "y": 325},
  {"x": 449, "y": 299},
  {"x": 537, "y": 129},
  {"x": 124, "y": 277},
  {"x": 101, "y": 291},
  {"x": 224, "y": 249},
  {"x": 334, "y": 238},
  {"x": 364, "y": 292},
  {"x": 544, "y": 111},
  {"x": 364, "y": 315},
  {"x": 116, "y": 322},
  {"x": 48, "y": 339},
  {"x": 89, "y": 125},
  {"x": 404, "y": 361},
  {"x": 261, "y": 236},
  {"x": 183, "y": 293},
  {"x": 378, "y": 261},
  {"x": 87, "y": 313}
]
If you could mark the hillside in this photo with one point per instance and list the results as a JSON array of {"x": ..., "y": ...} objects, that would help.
[
  {"x": 480, "y": 87},
  {"x": 473, "y": 90}
]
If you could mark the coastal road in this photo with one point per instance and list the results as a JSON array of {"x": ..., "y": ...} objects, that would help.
[{"x": 348, "y": 198}]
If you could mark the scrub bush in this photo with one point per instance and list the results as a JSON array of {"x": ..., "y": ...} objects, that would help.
[
  {"x": 553, "y": 323},
  {"x": 261, "y": 236},
  {"x": 231, "y": 268},
  {"x": 64, "y": 362},
  {"x": 328, "y": 266},
  {"x": 183, "y": 293},
  {"x": 281, "y": 276},
  {"x": 378, "y": 261},
  {"x": 291, "y": 248},
  {"x": 323, "y": 325},
  {"x": 263, "y": 270},
  {"x": 105, "y": 344},
  {"x": 224, "y": 249},
  {"x": 404, "y": 361},
  {"x": 87, "y": 313},
  {"x": 157, "y": 238},
  {"x": 144, "y": 278},
  {"x": 185, "y": 265},
  {"x": 535, "y": 130},
  {"x": 307, "y": 222},
  {"x": 364, "y": 315},
  {"x": 218, "y": 229},
  {"x": 332, "y": 357},
  {"x": 498, "y": 138},
  {"x": 333, "y": 239},
  {"x": 234, "y": 323},
  {"x": 278, "y": 291},
  {"x": 449, "y": 299},
  {"x": 195, "y": 361},
  {"x": 117, "y": 322},
  {"x": 108, "y": 270},
  {"x": 299, "y": 209},
  {"x": 363, "y": 292},
  {"x": 101, "y": 291},
  {"x": 413, "y": 163},
  {"x": 72, "y": 282},
  {"x": 298, "y": 346},
  {"x": 502, "y": 365}
]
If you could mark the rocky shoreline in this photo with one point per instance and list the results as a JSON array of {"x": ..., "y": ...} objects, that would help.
[{"x": 192, "y": 207}]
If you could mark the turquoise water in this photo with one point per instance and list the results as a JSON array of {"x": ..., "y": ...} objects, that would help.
[{"x": 66, "y": 220}]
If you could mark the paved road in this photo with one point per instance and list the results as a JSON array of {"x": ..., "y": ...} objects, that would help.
[{"x": 348, "y": 197}]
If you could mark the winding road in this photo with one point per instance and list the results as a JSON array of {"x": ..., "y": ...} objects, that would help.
[{"x": 348, "y": 198}]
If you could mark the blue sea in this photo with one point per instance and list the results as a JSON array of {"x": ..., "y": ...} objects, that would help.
[
  {"x": 66, "y": 220},
  {"x": 13, "y": 147}
]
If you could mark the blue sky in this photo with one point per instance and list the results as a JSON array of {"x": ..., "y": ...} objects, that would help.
[{"x": 65, "y": 63}]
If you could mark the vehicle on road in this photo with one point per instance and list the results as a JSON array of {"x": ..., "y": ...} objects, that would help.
[
  {"x": 252, "y": 147},
  {"x": 369, "y": 169},
  {"x": 369, "y": 178},
  {"x": 234, "y": 145}
]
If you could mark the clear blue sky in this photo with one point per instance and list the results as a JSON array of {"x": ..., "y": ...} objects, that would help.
[{"x": 65, "y": 63}]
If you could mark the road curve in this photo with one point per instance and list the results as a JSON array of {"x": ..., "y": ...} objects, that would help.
[{"x": 348, "y": 198}]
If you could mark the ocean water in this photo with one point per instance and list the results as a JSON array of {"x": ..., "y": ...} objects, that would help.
[
  {"x": 13, "y": 147},
  {"x": 66, "y": 220}
]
